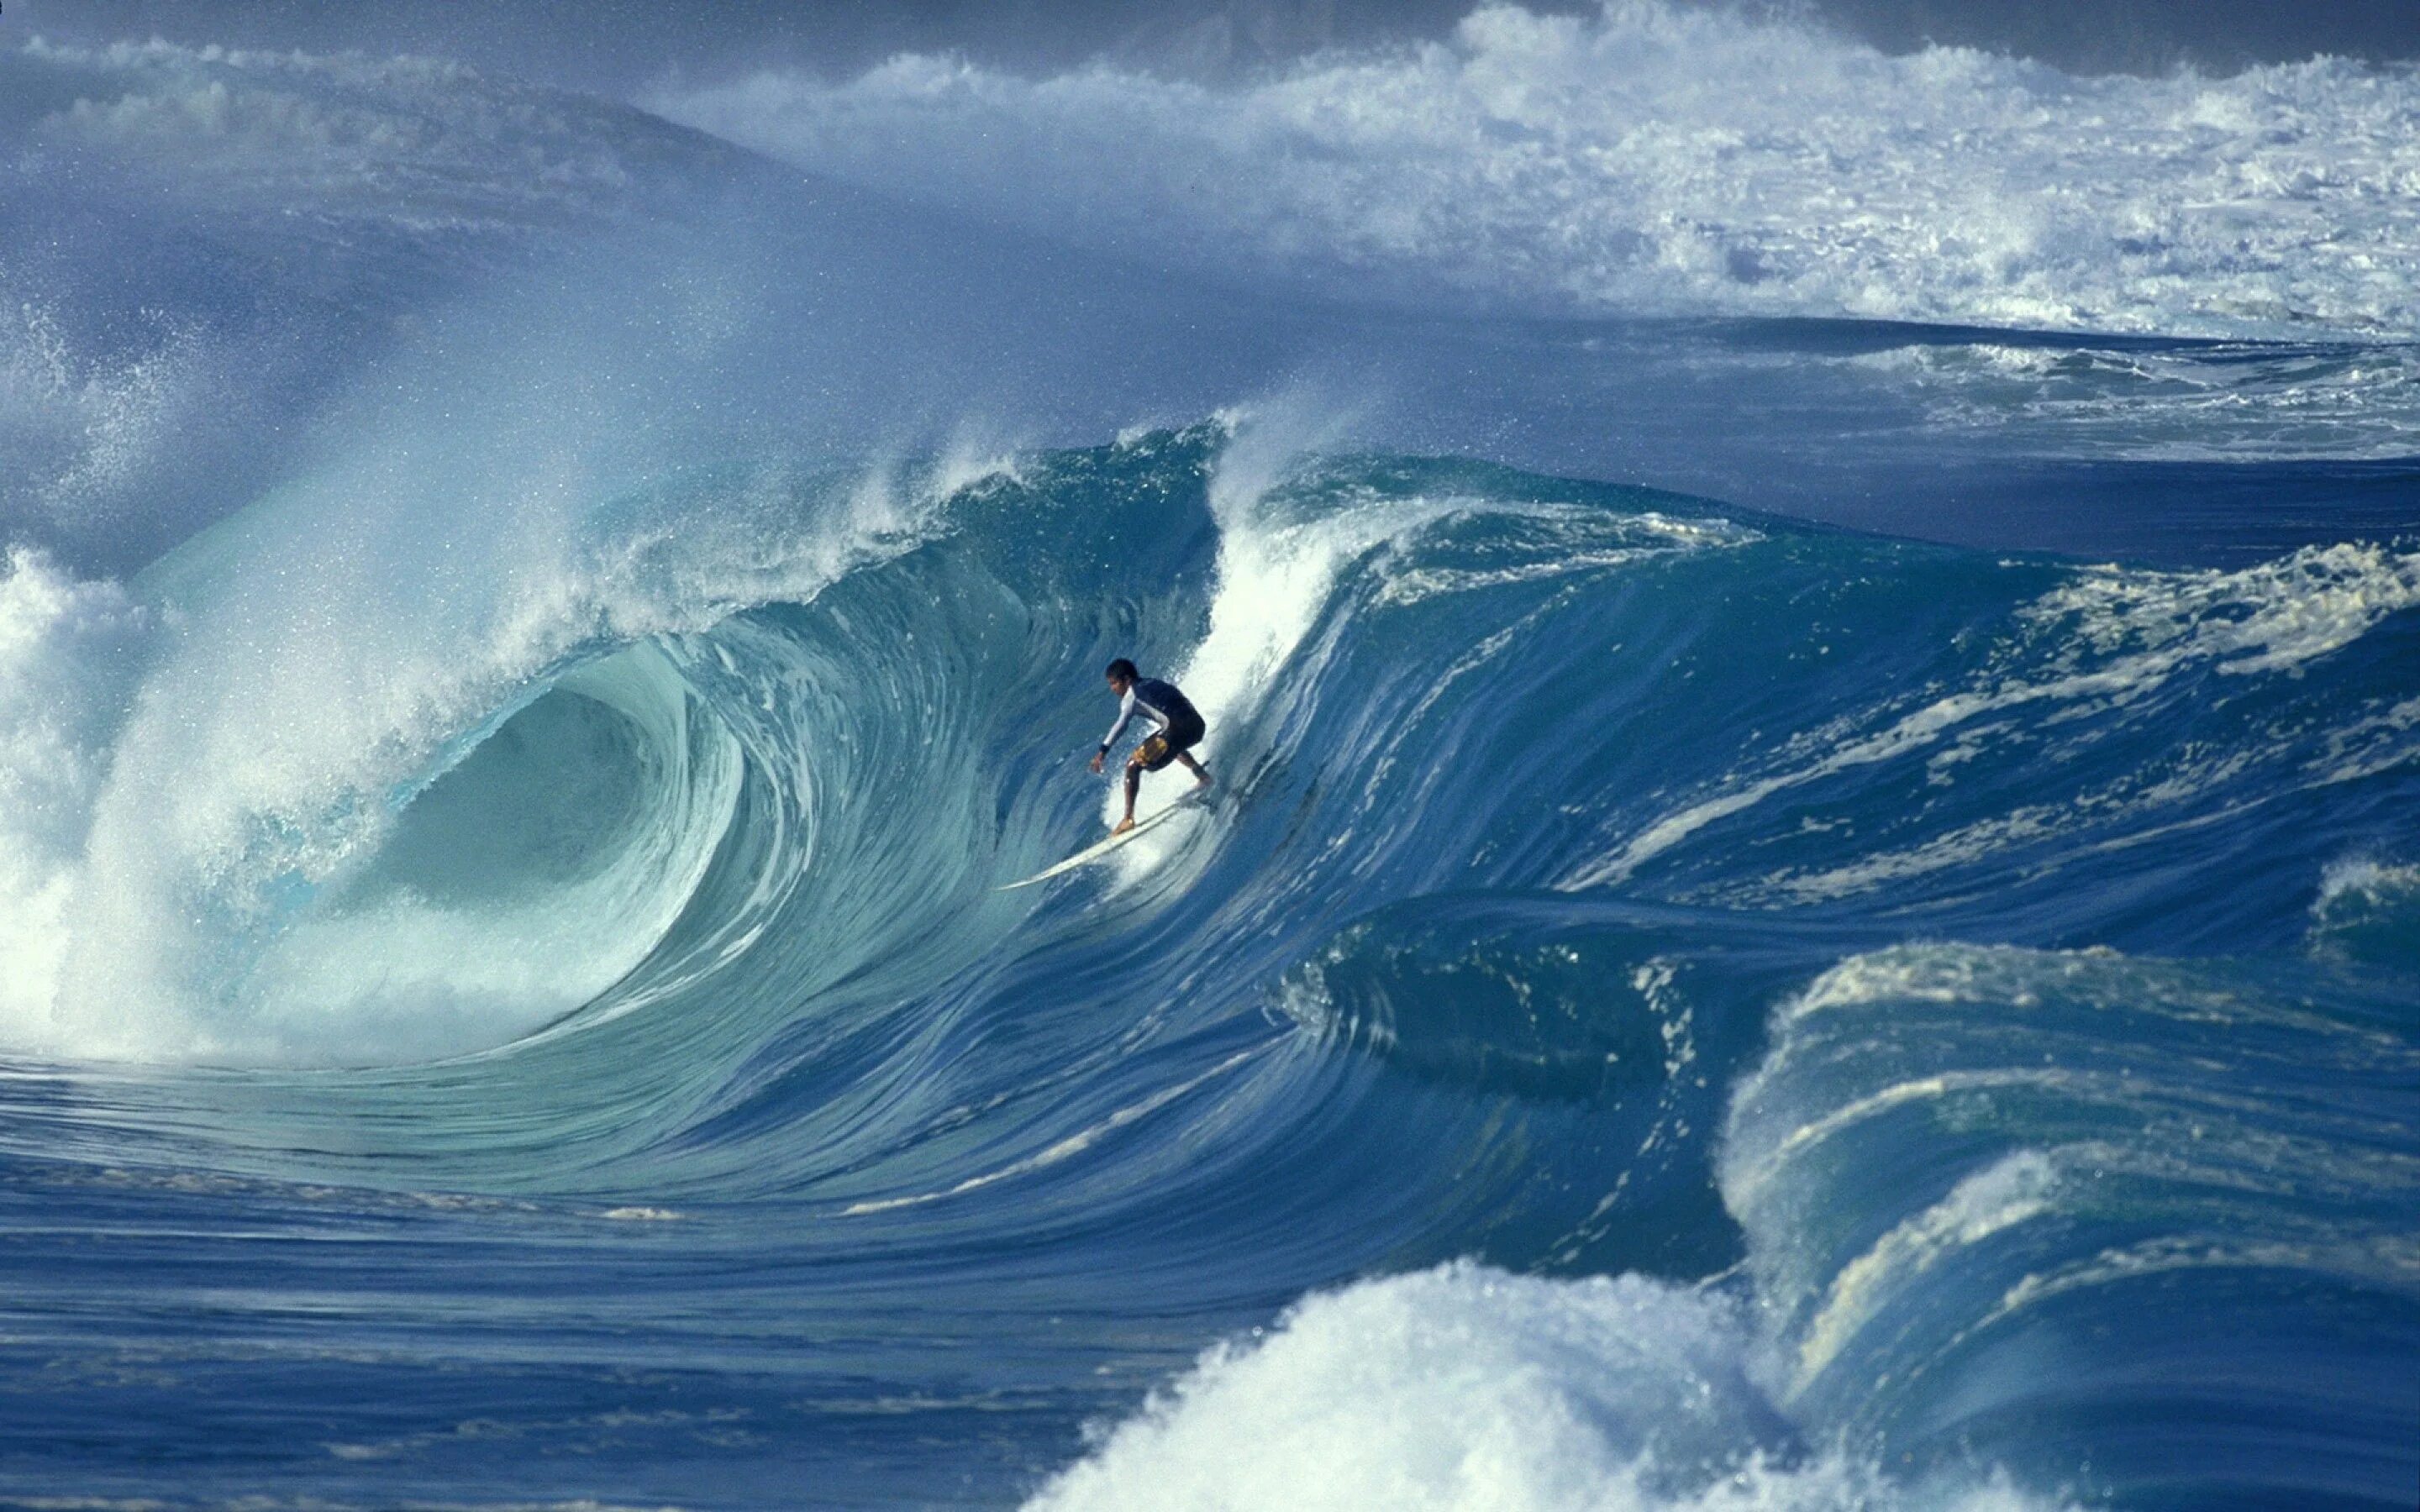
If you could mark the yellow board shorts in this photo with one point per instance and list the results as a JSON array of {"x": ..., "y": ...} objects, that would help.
[{"x": 1162, "y": 748}]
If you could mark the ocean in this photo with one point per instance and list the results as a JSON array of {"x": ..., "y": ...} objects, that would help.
[{"x": 1812, "y": 660}]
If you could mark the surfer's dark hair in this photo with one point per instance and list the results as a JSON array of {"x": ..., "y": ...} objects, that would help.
[{"x": 1124, "y": 670}]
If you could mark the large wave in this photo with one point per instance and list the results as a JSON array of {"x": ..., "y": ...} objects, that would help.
[
  {"x": 698, "y": 843},
  {"x": 540, "y": 795}
]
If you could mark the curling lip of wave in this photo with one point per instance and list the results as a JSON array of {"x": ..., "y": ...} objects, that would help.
[
  {"x": 218, "y": 800},
  {"x": 1659, "y": 160}
]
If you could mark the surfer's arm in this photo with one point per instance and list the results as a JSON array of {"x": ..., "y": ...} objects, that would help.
[{"x": 1125, "y": 716}]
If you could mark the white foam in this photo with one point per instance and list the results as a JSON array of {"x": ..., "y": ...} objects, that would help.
[
  {"x": 2367, "y": 908},
  {"x": 2366, "y": 880},
  {"x": 1466, "y": 1387},
  {"x": 1661, "y": 158},
  {"x": 68, "y": 651}
]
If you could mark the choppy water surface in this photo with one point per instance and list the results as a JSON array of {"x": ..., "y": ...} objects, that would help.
[{"x": 533, "y": 636}]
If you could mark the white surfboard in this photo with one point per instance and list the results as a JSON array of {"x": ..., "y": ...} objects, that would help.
[{"x": 1094, "y": 851}]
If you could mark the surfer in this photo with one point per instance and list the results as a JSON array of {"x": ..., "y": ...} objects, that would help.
[{"x": 1180, "y": 729}]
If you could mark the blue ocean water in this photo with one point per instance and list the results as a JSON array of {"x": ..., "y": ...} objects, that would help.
[{"x": 1812, "y": 900}]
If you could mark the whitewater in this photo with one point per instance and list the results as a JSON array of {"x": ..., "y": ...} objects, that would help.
[{"x": 1813, "y": 660}]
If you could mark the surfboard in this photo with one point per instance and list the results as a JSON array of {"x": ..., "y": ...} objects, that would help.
[{"x": 1094, "y": 851}]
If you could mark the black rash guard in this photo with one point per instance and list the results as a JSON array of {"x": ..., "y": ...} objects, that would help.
[{"x": 1158, "y": 702}]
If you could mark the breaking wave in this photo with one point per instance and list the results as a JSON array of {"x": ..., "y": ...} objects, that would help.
[
  {"x": 1660, "y": 158},
  {"x": 506, "y": 982}
]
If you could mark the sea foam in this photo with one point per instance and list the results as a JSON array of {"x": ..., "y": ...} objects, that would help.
[
  {"x": 1654, "y": 159},
  {"x": 1467, "y": 1387}
]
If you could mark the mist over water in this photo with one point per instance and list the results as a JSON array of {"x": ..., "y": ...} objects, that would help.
[{"x": 1808, "y": 640}]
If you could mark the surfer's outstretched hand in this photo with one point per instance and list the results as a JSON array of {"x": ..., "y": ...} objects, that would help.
[{"x": 1096, "y": 760}]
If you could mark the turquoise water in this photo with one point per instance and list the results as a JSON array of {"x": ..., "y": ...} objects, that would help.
[
  {"x": 1878, "y": 971},
  {"x": 1960, "y": 959}
]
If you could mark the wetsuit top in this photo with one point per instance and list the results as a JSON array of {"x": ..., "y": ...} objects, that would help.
[{"x": 1155, "y": 700}]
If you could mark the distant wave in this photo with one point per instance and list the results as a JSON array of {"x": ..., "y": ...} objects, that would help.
[
  {"x": 417, "y": 143},
  {"x": 1654, "y": 159},
  {"x": 219, "y": 246}
]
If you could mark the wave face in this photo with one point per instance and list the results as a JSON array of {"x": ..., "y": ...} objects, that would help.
[
  {"x": 1472, "y": 957},
  {"x": 507, "y": 996}
]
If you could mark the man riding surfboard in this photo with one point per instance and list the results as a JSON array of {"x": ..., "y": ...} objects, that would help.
[{"x": 1178, "y": 729}]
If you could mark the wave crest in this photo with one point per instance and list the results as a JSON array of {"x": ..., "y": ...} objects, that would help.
[{"x": 1656, "y": 158}]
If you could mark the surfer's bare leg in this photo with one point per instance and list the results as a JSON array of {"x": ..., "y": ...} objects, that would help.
[
  {"x": 1134, "y": 784},
  {"x": 1200, "y": 777}
]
